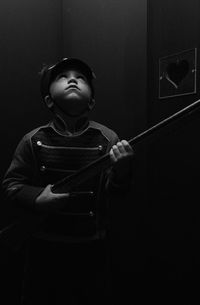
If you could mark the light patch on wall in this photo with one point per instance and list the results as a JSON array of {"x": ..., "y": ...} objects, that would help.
[{"x": 177, "y": 74}]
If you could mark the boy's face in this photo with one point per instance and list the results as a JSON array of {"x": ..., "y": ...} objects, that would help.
[{"x": 71, "y": 92}]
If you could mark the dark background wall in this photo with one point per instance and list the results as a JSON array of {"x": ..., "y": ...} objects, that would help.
[
  {"x": 173, "y": 162},
  {"x": 30, "y": 34},
  {"x": 111, "y": 37}
]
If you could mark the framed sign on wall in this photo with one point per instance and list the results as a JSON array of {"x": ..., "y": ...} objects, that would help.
[{"x": 177, "y": 74}]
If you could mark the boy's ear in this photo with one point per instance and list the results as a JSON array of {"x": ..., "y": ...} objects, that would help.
[
  {"x": 91, "y": 103},
  {"x": 48, "y": 101}
]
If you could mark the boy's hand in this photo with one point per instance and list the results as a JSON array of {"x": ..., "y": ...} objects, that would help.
[
  {"x": 48, "y": 201},
  {"x": 121, "y": 155}
]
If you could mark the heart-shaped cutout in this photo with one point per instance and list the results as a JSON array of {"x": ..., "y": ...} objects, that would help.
[{"x": 177, "y": 71}]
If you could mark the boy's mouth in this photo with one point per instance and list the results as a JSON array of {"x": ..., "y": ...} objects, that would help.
[{"x": 72, "y": 87}]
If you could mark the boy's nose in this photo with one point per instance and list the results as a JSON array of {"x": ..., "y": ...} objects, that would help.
[{"x": 72, "y": 80}]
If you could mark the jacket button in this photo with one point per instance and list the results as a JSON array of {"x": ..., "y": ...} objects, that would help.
[
  {"x": 42, "y": 168},
  {"x": 39, "y": 143}
]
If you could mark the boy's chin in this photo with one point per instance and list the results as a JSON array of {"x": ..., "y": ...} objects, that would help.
[{"x": 73, "y": 95}]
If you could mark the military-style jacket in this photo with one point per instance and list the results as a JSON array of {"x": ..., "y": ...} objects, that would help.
[{"x": 44, "y": 156}]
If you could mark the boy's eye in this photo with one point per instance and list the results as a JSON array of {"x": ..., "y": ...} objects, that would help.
[
  {"x": 61, "y": 76},
  {"x": 81, "y": 77}
]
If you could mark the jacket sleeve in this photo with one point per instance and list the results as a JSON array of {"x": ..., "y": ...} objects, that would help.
[{"x": 18, "y": 182}]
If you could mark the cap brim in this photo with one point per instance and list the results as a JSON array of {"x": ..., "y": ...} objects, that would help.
[{"x": 68, "y": 63}]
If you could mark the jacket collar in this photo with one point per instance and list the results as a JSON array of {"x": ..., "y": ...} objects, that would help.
[{"x": 60, "y": 126}]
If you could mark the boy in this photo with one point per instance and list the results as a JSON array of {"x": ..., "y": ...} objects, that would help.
[{"x": 70, "y": 241}]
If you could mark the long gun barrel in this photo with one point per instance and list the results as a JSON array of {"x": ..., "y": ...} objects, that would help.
[{"x": 104, "y": 162}]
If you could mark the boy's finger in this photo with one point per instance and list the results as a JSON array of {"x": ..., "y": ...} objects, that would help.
[
  {"x": 121, "y": 147},
  {"x": 127, "y": 146},
  {"x": 116, "y": 151},
  {"x": 112, "y": 156}
]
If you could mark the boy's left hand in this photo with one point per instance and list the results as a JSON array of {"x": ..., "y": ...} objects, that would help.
[{"x": 121, "y": 155}]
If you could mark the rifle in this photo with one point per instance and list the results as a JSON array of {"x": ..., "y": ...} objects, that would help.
[
  {"x": 17, "y": 233},
  {"x": 104, "y": 162}
]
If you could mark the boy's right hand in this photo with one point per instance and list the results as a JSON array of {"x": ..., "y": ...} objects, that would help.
[{"x": 48, "y": 201}]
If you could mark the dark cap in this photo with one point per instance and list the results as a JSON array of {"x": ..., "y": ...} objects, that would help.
[{"x": 49, "y": 73}]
